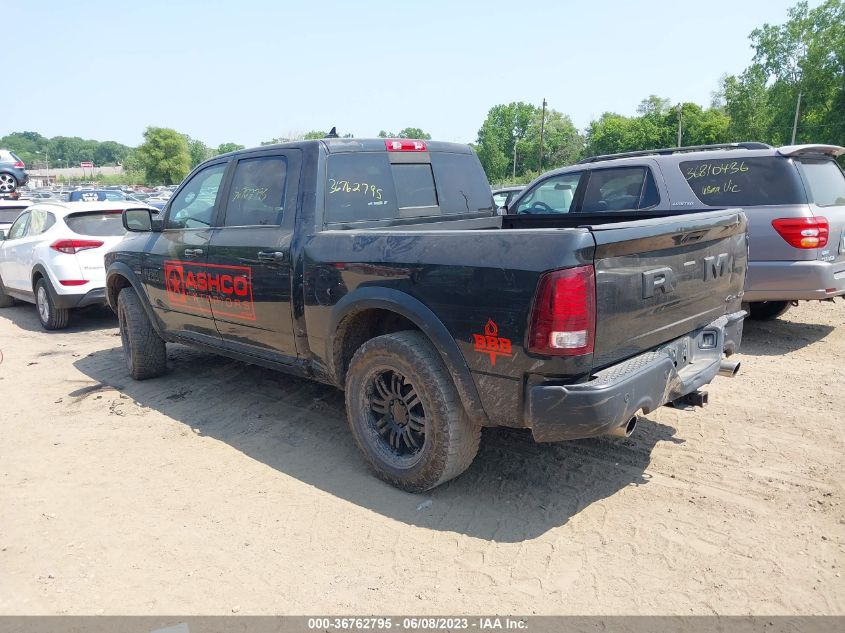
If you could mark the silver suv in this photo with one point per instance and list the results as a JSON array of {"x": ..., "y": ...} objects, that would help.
[
  {"x": 12, "y": 172},
  {"x": 794, "y": 198}
]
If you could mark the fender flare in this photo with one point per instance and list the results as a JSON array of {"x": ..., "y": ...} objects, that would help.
[
  {"x": 373, "y": 297},
  {"x": 123, "y": 270}
]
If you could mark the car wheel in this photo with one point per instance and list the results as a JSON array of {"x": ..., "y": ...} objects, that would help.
[
  {"x": 405, "y": 414},
  {"x": 767, "y": 310},
  {"x": 8, "y": 183},
  {"x": 5, "y": 300},
  {"x": 144, "y": 350},
  {"x": 51, "y": 317}
]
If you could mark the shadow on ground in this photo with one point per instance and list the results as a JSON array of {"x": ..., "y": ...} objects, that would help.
[
  {"x": 780, "y": 336},
  {"x": 82, "y": 320},
  {"x": 515, "y": 490}
]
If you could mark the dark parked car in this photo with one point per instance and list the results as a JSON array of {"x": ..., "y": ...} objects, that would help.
[
  {"x": 382, "y": 267},
  {"x": 12, "y": 172}
]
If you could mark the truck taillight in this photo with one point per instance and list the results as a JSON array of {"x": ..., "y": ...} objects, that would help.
[
  {"x": 69, "y": 247},
  {"x": 563, "y": 319},
  {"x": 404, "y": 145},
  {"x": 803, "y": 232}
]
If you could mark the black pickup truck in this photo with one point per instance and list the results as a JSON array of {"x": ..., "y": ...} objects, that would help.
[{"x": 382, "y": 267}]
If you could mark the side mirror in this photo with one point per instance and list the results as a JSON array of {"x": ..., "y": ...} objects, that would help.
[{"x": 138, "y": 220}]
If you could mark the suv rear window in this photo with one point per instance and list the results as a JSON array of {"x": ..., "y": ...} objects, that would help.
[
  {"x": 8, "y": 214},
  {"x": 99, "y": 223},
  {"x": 825, "y": 180},
  {"x": 744, "y": 182},
  {"x": 366, "y": 186}
]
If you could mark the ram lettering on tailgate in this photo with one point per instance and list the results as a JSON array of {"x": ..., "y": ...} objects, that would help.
[{"x": 226, "y": 289}]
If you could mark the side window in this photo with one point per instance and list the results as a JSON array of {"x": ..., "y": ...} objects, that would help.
[
  {"x": 618, "y": 189},
  {"x": 19, "y": 227},
  {"x": 554, "y": 195},
  {"x": 193, "y": 207},
  {"x": 744, "y": 182},
  {"x": 40, "y": 221},
  {"x": 257, "y": 195}
]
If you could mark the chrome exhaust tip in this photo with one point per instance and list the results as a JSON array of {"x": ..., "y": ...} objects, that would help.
[
  {"x": 625, "y": 430},
  {"x": 729, "y": 368}
]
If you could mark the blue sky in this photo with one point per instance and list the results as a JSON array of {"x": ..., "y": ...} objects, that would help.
[{"x": 246, "y": 71}]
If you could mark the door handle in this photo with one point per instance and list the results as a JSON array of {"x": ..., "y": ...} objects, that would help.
[
  {"x": 193, "y": 252},
  {"x": 276, "y": 257}
]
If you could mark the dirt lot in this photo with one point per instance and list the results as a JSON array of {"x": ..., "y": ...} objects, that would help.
[{"x": 225, "y": 488}]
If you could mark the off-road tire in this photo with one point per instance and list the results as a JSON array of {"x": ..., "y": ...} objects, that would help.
[
  {"x": 144, "y": 350},
  {"x": 51, "y": 317},
  {"x": 767, "y": 310},
  {"x": 5, "y": 300},
  {"x": 450, "y": 439}
]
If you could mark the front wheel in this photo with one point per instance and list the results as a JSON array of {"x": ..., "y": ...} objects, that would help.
[
  {"x": 144, "y": 350},
  {"x": 767, "y": 310},
  {"x": 51, "y": 316},
  {"x": 405, "y": 414}
]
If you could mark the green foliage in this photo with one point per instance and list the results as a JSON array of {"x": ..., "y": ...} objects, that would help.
[
  {"x": 34, "y": 149},
  {"x": 806, "y": 54},
  {"x": 314, "y": 135},
  {"x": 408, "y": 132},
  {"x": 164, "y": 155},
  {"x": 224, "y": 148},
  {"x": 198, "y": 151}
]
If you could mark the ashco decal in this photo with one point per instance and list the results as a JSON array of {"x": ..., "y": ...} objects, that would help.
[{"x": 221, "y": 290}]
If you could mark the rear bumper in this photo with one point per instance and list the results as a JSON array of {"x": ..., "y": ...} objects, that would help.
[
  {"x": 792, "y": 281},
  {"x": 92, "y": 297},
  {"x": 641, "y": 383}
]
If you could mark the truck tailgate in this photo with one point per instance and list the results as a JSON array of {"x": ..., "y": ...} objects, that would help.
[{"x": 659, "y": 279}]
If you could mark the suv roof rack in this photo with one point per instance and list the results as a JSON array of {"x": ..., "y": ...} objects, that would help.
[{"x": 675, "y": 150}]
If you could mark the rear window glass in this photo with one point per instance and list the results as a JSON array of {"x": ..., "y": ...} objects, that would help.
[
  {"x": 99, "y": 223},
  {"x": 95, "y": 196},
  {"x": 414, "y": 185},
  {"x": 8, "y": 214},
  {"x": 366, "y": 186},
  {"x": 462, "y": 186},
  {"x": 765, "y": 180},
  {"x": 826, "y": 182}
]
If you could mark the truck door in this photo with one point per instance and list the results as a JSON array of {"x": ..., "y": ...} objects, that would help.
[
  {"x": 249, "y": 254},
  {"x": 175, "y": 264}
]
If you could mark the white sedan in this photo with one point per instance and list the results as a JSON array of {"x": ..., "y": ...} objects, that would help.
[{"x": 52, "y": 256}]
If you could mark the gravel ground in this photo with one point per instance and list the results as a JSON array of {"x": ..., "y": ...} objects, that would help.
[{"x": 223, "y": 487}]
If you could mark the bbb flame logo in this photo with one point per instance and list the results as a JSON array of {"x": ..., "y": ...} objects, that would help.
[{"x": 491, "y": 343}]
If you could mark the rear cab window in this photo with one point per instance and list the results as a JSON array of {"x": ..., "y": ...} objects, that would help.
[
  {"x": 825, "y": 181},
  {"x": 369, "y": 186},
  {"x": 744, "y": 182},
  {"x": 97, "y": 223}
]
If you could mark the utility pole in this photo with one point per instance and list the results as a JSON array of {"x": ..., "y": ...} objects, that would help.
[
  {"x": 680, "y": 124},
  {"x": 542, "y": 130},
  {"x": 514, "y": 161},
  {"x": 795, "y": 122}
]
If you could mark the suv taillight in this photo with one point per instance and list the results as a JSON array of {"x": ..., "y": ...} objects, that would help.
[
  {"x": 803, "y": 232},
  {"x": 563, "y": 319},
  {"x": 20, "y": 164},
  {"x": 69, "y": 247}
]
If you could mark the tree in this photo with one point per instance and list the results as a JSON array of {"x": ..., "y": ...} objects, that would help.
[
  {"x": 314, "y": 134},
  {"x": 804, "y": 55},
  {"x": 224, "y": 148},
  {"x": 197, "y": 150},
  {"x": 164, "y": 155},
  {"x": 506, "y": 126},
  {"x": 408, "y": 132}
]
